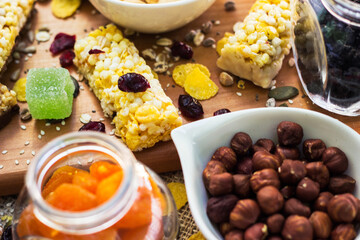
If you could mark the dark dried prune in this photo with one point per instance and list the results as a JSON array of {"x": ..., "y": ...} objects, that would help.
[
  {"x": 221, "y": 111},
  {"x": 190, "y": 107},
  {"x": 62, "y": 42},
  {"x": 133, "y": 82},
  {"x": 182, "y": 50},
  {"x": 66, "y": 58},
  {"x": 93, "y": 126}
]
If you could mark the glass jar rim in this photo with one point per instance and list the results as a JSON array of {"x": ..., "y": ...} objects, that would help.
[
  {"x": 346, "y": 11},
  {"x": 93, "y": 220}
]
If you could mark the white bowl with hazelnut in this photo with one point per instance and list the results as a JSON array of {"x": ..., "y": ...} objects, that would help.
[
  {"x": 157, "y": 17},
  {"x": 312, "y": 165}
]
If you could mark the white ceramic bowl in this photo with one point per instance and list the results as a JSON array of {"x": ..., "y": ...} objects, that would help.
[
  {"x": 152, "y": 18},
  {"x": 197, "y": 141}
]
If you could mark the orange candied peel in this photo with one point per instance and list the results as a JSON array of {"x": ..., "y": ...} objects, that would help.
[
  {"x": 108, "y": 186},
  {"x": 103, "y": 169}
]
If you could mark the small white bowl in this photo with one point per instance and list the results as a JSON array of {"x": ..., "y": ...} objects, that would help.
[
  {"x": 152, "y": 18},
  {"x": 197, "y": 141}
]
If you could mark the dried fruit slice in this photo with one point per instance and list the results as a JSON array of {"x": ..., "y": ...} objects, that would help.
[
  {"x": 102, "y": 169},
  {"x": 64, "y": 8},
  {"x": 71, "y": 197},
  {"x": 181, "y": 71},
  {"x": 19, "y": 88},
  {"x": 199, "y": 85},
  {"x": 179, "y": 193},
  {"x": 86, "y": 181},
  {"x": 107, "y": 187}
]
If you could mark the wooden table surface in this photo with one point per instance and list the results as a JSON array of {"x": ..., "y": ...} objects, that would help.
[{"x": 163, "y": 156}]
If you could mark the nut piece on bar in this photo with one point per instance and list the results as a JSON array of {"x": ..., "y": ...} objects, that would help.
[
  {"x": 141, "y": 119},
  {"x": 257, "y": 48},
  {"x": 13, "y": 15}
]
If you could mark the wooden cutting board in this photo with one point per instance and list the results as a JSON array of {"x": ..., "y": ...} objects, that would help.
[{"x": 163, "y": 156}]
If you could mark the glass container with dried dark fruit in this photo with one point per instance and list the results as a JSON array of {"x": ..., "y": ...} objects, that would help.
[
  {"x": 190, "y": 107},
  {"x": 326, "y": 46}
]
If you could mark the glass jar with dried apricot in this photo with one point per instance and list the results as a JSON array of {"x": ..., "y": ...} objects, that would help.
[{"x": 87, "y": 185}]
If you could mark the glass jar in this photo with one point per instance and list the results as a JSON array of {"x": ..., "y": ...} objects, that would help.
[
  {"x": 140, "y": 208},
  {"x": 326, "y": 49}
]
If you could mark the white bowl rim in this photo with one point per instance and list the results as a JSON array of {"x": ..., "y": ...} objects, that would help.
[
  {"x": 180, "y": 132},
  {"x": 151, "y": 5}
]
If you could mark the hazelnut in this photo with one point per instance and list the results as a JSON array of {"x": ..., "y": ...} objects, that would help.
[
  {"x": 220, "y": 184},
  {"x": 288, "y": 191},
  {"x": 357, "y": 218},
  {"x": 343, "y": 232},
  {"x": 241, "y": 143},
  {"x": 297, "y": 228},
  {"x": 245, "y": 213},
  {"x": 235, "y": 234},
  {"x": 321, "y": 224},
  {"x": 319, "y": 173},
  {"x": 307, "y": 190},
  {"x": 258, "y": 231},
  {"x": 343, "y": 208},
  {"x": 270, "y": 199},
  {"x": 212, "y": 168},
  {"x": 264, "y": 178},
  {"x": 274, "y": 238},
  {"x": 289, "y": 133},
  {"x": 275, "y": 223},
  {"x": 313, "y": 149},
  {"x": 335, "y": 160},
  {"x": 342, "y": 184},
  {"x": 244, "y": 166},
  {"x": 242, "y": 185},
  {"x": 294, "y": 206},
  {"x": 225, "y": 228},
  {"x": 264, "y": 144},
  {"x": 287, "y": 152},
  {"x": 218, "y": 208},
  {"x": 292, "y": 171},
  {"x": 322, "y": 201},
  {"x": 225, "y": 155},
  {"x": 264, "y": 159}
]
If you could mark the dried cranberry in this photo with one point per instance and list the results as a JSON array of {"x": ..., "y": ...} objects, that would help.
[
  {"x": 182, "y": 50},
  {"x": 190, "y": 107},
  {"x": 62, "y": 42},
  {"x": 95, "y": 51},
  {"x": 93, "y": 126},
  {"x": 221, "y": 111},
  {"x": 66, "y": 58},
  {"x": 133, "y": 82}
]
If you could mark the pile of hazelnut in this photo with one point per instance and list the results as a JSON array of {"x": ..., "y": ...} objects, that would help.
[{"x": 267, "y": 191}]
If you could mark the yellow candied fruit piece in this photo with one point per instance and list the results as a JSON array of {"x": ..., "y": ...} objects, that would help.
[
  {"x": 199, "y": 85},
  {"x": 197, "y": 236},
  {"x": 181, "y": 72},
  {"x": 64, "y": 8},
  {"x": 20, "y": 89},
  {"x": 221, "y": 43},
  {"x": 178, "y": 191}
]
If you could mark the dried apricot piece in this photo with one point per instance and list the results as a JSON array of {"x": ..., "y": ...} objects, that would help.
[
  {"x": 62, "y": 175},
  {"x": 103, "y": 169},
  {"x": 71, "y": 197},
  {"x": 199, "y": 85},
  {"x": 64, "y": 8},
  {"x": 181, "y": 71},
  {"x": 20, "y": 89},
  {"x": 86, "y": 181},
  {"x": 108, "y": 186}
]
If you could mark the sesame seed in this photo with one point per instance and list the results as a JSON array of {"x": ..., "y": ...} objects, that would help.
[
  {"x": 26, "y": 143},
  {"x": 28, "y": 162},
  {"x": 239, "y": 94},
  {"x": 23, "y": 127},
  {"x": 1, "y": 166},
  {"x": 63, "y": 122},
  {"x": 81, "y": 87},
  {"x": 4, "y": 152},
  {"x": 79, "y": 162},
  {"x": 42, "y": 132},
  {"x": 39, "y": 136},
  {"x": 33, "y": 153},
  {"x": 22, "y": 152},
  {"x": 47, "y": 124},
  {"x": 101, "y": 119},
  {"x": 112, "y": 131},
  {"x": 90, "y": 160},
  {"x": 290, "y": 101},
  {"x": 17, "y": 162},
  {"x": 57, "y": 128}
]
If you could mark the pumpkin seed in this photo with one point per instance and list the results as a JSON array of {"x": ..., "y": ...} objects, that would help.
[
  {"x": 226, "y": 79},
  {"x": 198, "y": 38},
  {"x": 206, "y": 27},
  {"x": 189, "y": 37},
  {"x": 270, "y": 102},
  {"x": 164, "y": 42},
  {"x": 25, "y": 115},
  {"x": 149, "y": 53},
  {"x": 229, "y": 6},
  {"x": 283, "y": 93},
  {"x": 160, "y": 67},
  {"x": 208, "y": 42}
]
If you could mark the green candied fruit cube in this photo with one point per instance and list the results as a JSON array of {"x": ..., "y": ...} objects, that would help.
[{"x": 49, "y": 93}]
